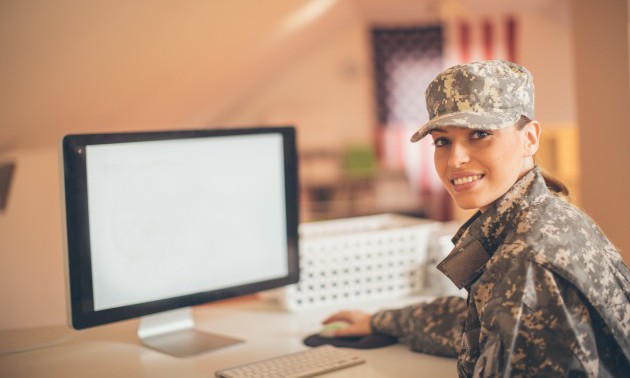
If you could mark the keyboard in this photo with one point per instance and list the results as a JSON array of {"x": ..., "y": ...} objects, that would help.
[{"x": 309, "y": 363}]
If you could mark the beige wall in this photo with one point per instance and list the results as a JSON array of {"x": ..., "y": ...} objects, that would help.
[
  {"x": 31, "y": 272},
  {"x": 326, "y": 93},
  {"x": 546, "y": 49},
  {"x": 603, "y": 108}
]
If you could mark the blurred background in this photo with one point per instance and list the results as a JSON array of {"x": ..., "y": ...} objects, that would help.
[{"x": 349, "y": 74}]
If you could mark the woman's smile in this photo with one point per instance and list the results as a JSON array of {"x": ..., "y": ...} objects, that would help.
[
  {"x": 479, "y": 166},
  {"x": 464, "y": 180}
]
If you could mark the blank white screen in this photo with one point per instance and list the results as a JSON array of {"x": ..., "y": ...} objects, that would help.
[{"x": 177, "y": 217}]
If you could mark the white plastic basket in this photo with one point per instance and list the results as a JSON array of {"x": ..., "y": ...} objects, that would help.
[{"x": 357, "y": 259}]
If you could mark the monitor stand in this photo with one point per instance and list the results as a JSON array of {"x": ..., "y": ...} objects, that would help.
[{"x": 173, "y": 332}]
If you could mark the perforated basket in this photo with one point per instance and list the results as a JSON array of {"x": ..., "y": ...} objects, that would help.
[{"x": 357, "y": 259}]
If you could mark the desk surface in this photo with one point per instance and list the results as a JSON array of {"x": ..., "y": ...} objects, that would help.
[{"x": 114, "y": 350}]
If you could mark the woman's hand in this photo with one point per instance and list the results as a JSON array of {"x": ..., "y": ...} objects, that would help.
[{"x": 359, "y": 323}]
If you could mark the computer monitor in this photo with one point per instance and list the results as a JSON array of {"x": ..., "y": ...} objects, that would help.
[{"x": 157, "y": 222}]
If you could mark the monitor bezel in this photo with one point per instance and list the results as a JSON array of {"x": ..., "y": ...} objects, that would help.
[{"x": 77, "y": 236}]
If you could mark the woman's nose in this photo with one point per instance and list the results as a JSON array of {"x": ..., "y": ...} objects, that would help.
[{"x": 458, "y": 155}]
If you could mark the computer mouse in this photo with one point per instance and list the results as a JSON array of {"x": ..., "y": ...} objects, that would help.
[{"x": 329, "y": 329}]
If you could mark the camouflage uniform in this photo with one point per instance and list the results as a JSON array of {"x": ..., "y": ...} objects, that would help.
[{"x": 551, "y": 297}]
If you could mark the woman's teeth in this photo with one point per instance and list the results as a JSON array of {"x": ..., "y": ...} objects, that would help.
[{"x": 467, "y": 179}]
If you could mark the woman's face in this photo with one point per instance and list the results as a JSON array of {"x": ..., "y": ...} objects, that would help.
[{"x": 479, "y": 166}]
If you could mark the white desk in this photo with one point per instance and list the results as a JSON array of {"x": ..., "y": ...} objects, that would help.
[{"x": 114, "y": 351}]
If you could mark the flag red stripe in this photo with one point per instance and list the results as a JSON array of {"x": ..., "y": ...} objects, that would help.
[
  {"x": 488, "y": 42},
  {"x": 511, "y": 38},
  {"x": 464, "y": 41}
]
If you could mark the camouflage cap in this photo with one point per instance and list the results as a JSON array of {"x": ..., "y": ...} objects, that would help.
[{"x": 486, "y": 95}]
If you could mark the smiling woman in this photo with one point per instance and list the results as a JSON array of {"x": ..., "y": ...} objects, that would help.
[
  {"x": 548, "y": 294},
  {"x": 478, "y": 166}
]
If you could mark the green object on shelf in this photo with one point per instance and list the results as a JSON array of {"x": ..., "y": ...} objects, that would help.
[{"x": 360, "y": 162}]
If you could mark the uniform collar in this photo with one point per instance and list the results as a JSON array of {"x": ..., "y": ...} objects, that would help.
[
  {"x": 482, "y": 234},
  {"x": 490, "y": 225}
]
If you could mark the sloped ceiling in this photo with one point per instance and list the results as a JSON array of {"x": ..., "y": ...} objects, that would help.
[
  {"x": 71, "y": 66},
  {"x": 75, "y": 66}
]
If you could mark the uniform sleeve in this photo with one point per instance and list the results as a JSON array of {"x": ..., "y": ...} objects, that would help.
[
  {"x": 532, "y": 323},
  {"x": 433, "y": 327}
]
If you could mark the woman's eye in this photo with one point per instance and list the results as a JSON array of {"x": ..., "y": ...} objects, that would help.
[
  {"x": 479, "y": 134},
  {"x": 439, "y": 142}
]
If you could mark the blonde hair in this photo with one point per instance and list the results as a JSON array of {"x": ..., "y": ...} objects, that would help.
[{"x": 553, "y": 184}]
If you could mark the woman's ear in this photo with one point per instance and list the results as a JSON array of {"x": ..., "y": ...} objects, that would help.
[{"x": 531, "y": 140}]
